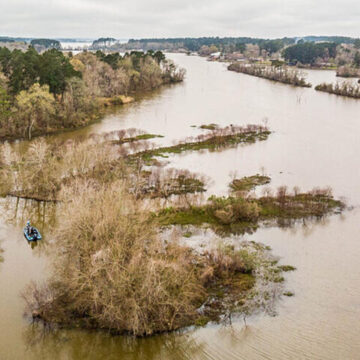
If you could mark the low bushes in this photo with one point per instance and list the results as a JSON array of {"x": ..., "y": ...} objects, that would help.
[
  {"x": 281, "y": 74},
  {"x": 111, "y": 270},
  {"x": 240, "y": 213},
  {"x": 249, "y": 182},
  {"x": 343, "y": 89},
  {"x": 347, "y": 71}
]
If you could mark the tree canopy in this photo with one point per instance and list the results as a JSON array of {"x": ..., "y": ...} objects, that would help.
[
  {"x": 47, "y": 43},
  {"x": 23, "y": 69},
  {"x": 308, "y": 52}
]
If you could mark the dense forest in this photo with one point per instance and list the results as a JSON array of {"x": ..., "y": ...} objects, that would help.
[
  {"x": 195, "y": 44},
  {"x": 40, "y": 93},
  {"x": 46, "y": 43},
  {"x": 308, "y": 52}
]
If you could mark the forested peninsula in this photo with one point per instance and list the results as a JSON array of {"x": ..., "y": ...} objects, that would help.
[{"x": 47, "y": 92}]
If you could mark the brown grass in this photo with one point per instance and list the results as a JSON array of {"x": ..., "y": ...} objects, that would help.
[{"x": 111, "y": 270}]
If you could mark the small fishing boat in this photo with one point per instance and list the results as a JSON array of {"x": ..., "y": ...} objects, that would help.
[{"x": 32, "y": 233}]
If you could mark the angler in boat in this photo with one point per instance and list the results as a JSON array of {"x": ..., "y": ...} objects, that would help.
[{"x": 31, "y": 233}]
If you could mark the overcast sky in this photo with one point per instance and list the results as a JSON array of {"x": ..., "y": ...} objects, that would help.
[{"x": 177, "y": 18}]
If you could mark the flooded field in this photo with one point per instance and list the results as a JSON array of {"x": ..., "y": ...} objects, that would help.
[{"x": 315, "y": 142}]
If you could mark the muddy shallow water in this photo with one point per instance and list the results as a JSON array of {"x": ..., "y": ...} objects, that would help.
[{"x": 315, "y": 142}]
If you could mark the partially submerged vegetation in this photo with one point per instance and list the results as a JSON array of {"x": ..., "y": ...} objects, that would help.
[
  {"x": 248, "y": 183},
  {"x": 348, "y": 71},
  {"x": 112, "y": 270},
  {"x": 238, "y": 213},
  {"x": 344, "y": 89},
  {"x": 209, "y": 126},
  {"x": 219, "y": 138},
  {"x": 114, "y": 267},
  {"x": 281, "y": 74},
  {"x": 130, "y": 135},
  {"x": 42, "y": 171}
]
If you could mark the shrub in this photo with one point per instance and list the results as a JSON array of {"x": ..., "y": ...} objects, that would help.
[{"x": 112, "y": 270}]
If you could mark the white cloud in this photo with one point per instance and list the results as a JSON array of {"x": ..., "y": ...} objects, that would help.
[{"x": 170, "y": 18}]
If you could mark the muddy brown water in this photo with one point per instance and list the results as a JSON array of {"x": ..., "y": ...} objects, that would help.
[{"x": 315, "y": 142}]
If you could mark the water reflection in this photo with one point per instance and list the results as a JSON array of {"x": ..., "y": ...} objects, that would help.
[
  {"x": 17, "y": 211},
  {"x": 44, "y": 343}
]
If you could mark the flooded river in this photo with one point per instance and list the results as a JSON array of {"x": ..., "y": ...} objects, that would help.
[{"x": 315, "y": 142}]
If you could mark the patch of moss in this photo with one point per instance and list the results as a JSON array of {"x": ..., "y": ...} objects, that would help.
[
  {"x": 286, "y": 268},
  {"x": 209, "y": 127},
  {"x": 213, "y": 143},
  {"x": 202, "y": 320},
  {"x": 278, "y": 279},
  {"x": 136, "y": 138},
  {"x": 228, "y": 293},
  {"x": 298, "y": 206},
  {"x": 248, "y": 183},
  {"x": 148, "y": 136},
  {"x": 240, "y": 215},
  {"x": 191, "y": 216}
]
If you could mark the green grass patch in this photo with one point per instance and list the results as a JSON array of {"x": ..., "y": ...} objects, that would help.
[
  {"x": 286, "y": 268},
  {"x": 211, "y": 143},
  {"x": 248, "y": 183},
  {"x": 136, "y": 138},
  {"x": 209, "y": 127},
  {"x": 235, "y": 214}
]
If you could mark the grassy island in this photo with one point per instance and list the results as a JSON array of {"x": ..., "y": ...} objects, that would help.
[
  {"x": 217, "y": 139},
  {"x": 239, "y": 213},
  {"x": 281, "y": 74},
  {"x": 249, "y": 182},
  {"x": 344, "y": 89}
]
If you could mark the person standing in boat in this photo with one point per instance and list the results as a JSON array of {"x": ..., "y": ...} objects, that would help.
[{"x": 29, "y": 228}]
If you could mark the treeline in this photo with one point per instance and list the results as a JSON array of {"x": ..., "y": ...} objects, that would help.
[
  {"x": 46, "y": 43},
  {"x": 40, "y": 93},
  {"x": 230, "y": 44},
  {"x": 225, "y": 43},
  {"x": 334, "y": 39},
  {"x": 309, "y": 53}
]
